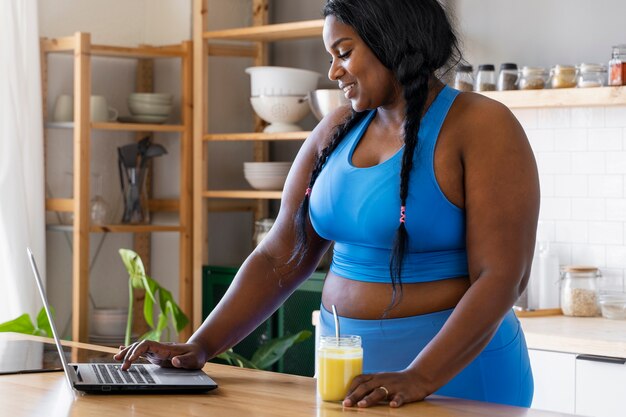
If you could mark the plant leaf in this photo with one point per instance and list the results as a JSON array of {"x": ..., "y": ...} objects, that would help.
[
  {"x": 153, "y": 334},
  {"x": 134, "y": 266},
  {"x": 148, "y": 301},
  {"x": 21, "y": 324},
  {"x": 236, "y": 359},
  {"x": 272, "y": 351},
  {"x": 43, "y": 324},
  {"x": 151, "y": 287}
]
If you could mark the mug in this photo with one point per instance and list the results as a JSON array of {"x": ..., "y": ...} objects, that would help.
[
  {"x": 63, "y": 109},
  {"x": 100, "y": 110}
]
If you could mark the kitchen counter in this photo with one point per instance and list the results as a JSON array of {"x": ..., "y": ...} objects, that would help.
[
  {"x": 584, "y": 335},
  {"x": 241, "y": 392}
]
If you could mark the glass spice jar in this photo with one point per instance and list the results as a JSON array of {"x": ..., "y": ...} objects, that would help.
[
  {"x": 591, "y": 75},
  {"x": 485, "y": 78},
  {"x": 579, "y": 291},
  {"x": 464, "y": 78},
  {"x": 261, "y": 229},
  {"x": 617, "y": 66},
  {"x": 533, "y": 78},
  {"x": 508, "y": 77},
  {"x": 563, "y": 76}
]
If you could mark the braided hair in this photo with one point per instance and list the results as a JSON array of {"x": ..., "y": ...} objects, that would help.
[{"x": 414, "y": 39}]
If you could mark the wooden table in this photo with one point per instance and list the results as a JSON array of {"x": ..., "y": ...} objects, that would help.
[{"x": 241, "y": 392}]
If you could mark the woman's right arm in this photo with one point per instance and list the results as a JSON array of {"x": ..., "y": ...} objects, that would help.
[{"x": 264, "y": 281}]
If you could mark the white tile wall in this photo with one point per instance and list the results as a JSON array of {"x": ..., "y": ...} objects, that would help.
[{"x": 581, "y": 157}]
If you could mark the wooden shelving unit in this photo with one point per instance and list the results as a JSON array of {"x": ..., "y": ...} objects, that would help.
[
  {"x": 82, "y": 50},
  {"x": 563, "y": 97}
]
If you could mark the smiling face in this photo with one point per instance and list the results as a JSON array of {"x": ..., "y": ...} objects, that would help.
[{"x": 366, "y": 82}]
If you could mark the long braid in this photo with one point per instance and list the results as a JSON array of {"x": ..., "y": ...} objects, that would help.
[{"x": 302, "y": 215}]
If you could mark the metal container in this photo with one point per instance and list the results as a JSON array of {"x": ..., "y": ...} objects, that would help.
[{"x": 323, "y": 102}]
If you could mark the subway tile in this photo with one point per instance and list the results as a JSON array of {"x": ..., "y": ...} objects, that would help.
[
  {"x": 552, "y": 118},
  {"x": 588, "y": 209},
  {"x": 541, "y": 139},
  {"x": 616, "y": 209},
  {"x": 605, "y": 139},
  {"x": 616, "y": 162},
  {"x": 570, "y": 185},
  {"x": 572, "y": 231},
  {"x": 587, "y": 254},
  {"x": 615, "y": 116},
  {"x": 612, "y": 279},
  {"x": 616, "y": 256},
  {"x": 611, "y": 186},
  {"x": 554, "y": 162},
  {"x": 555, "y": 208},
  {"x": 588, "y": 162},
  {"x": 587, "y": 116},
  {"x": 570, "y": 139},
  {"x": 606, "y": 233},
  {"x": 526, "y": 117},
  {"x": 546, "y": 185},
  {"x": 563, "y": 252},
  {"x": 546, "y": 231}
]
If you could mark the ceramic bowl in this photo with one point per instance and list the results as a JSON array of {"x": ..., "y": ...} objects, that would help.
[
  {"x": 281, "y": 81},
  {"x": 281, "y": 112},
  {"x": 157, "y": 98},
  {"x": 109, "y": 321},
  {"x": 148, "y": 109}
]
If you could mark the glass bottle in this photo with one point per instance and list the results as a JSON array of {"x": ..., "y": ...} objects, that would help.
[
  {"x": 579, "y": 291},
  {"x": 485, "y": 78},
  {"x": 464, "y": 78},
  {"x": 99, "y": 206},
  {"x": 508, "y": 77},
  {"x": 533, "y": 78},
  {"x": 591, "y": 75},
  {"x": 617, "y": 67}
]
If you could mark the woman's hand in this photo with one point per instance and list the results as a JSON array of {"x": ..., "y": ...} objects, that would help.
[
  {"x": 396, "y": 387},
  {"x": 167, "y": 355}
]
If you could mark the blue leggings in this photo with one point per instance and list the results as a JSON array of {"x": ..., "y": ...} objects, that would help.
[{"x": 500, "y": 374}]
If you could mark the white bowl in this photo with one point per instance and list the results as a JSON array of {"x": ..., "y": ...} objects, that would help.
[
  {"x": 274, "y": 182},
  {"x": 266, "y": 167},
  {"x": 161, "y": 98},
  {"x": 323, "y": 102},
  {"x": 109, "y": 321},
  {"x": 148, "y": 109},
  {"x": 281, "y": 112},
  {"x": 281, "y": 81}
]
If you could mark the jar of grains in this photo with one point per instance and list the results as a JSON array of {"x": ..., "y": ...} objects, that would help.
[
  {"x": 485, "y": 78},
  {"x": 533, "y": 78},
  {"x": 464, "y": 78},
  {"x": 563, "y": 76},
  {"x": 507, "y": 79},
  {"x": 579, "y": 291},
  {"x": 591, "y": 75}
]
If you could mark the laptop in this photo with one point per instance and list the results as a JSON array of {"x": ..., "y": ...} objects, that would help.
[{"x": 109, "y": 378}]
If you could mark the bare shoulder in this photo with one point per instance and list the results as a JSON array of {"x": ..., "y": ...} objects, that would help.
[{"x": 320, "y": 136}]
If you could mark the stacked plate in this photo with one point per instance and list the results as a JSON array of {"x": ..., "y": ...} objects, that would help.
[
  {"x": 108, "y": 326},
  {"x": 266, "y": 175},
  {"x": 148, "y": 108}
]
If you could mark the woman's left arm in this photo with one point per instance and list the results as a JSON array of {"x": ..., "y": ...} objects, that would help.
[{"x": 502, "y": 205}]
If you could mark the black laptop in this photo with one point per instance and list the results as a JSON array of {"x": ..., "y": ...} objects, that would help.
[{"x": 109, "y": 378}]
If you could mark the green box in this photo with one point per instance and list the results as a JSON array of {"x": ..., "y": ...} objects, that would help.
[{"x": 293, "y": 316}]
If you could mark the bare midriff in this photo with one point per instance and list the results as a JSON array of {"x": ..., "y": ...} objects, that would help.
[{"x": 370, "y": 300}]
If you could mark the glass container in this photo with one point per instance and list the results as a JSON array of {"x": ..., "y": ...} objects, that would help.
[
  {"x": 617, "y": 66},
  {"x": 591, "y": 75},
  {"x": 563, "y": 76},
  {"x": 464, "y": 78},
  {"x": 532, "y": 78},
  {"x": 508, "y": 77},
  {"x": 579, "y": 291},
  {"x": 339, "y": 361},
  {"x": 485, "y": 78},
  {"x": 99, "y": 207},
  {"x": 261, "y": 229}
]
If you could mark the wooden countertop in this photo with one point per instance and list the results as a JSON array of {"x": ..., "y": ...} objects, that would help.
[
  {"x": 587, "y": 335},
  {"x": 241, "y": 392}
]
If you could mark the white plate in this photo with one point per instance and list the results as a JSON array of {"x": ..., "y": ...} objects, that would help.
[{"x": 142, "y": 119}]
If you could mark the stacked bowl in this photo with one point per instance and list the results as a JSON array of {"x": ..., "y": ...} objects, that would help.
[
  {"x": 279, "y": 95},
  {"x": 150, "y": 107},
  {"x": 266, "y": 175}
]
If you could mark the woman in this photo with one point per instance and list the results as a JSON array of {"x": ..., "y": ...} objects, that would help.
[{"x": 434, "y": 232}]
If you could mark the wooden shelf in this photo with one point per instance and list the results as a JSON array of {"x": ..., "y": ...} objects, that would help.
[
  {"x": 118, "y": 228},
  {"x": 246, "y": 194},
  {"x": 68, "y": 44},
  {"x": 253, "y": 136},
  {"x": 157, "y": 205},
  {"x": 563, "y": 97},
  {"x": 270, "y": 33},
  {"x": 127, "y": 127}
]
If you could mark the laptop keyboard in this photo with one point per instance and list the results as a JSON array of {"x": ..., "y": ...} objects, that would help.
[{"x": 112, "y": 374}]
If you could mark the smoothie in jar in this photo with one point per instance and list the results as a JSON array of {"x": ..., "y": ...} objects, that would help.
[{"x": 339, "y": 361}]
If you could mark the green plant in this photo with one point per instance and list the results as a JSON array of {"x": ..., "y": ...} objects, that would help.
[
  {"x": 266, "y": 355},
  {"x": 169, "y": 311},
  {"x": 24, "y": 324}
]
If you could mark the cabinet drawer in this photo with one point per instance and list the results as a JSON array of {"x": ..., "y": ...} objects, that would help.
[
  {"x": 600, "y": 386},
  {"x": 555, "y": 378}
]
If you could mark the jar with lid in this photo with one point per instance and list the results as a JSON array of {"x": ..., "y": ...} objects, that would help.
[
  {"x": 464, "y": 78},
  {"x": 563, "y": 76},
  {"x": 591, "y": 75},
  {"x": 261, "y": 229},
  {"x": 617, "y": 66},
  {"x": 579, "y": 291},
  {"x": 485, "y": 78},
  {"x": 533, "y": 78},
  {"x": 508, "y": 76}
]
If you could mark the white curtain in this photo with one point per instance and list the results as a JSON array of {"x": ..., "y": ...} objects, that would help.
[{"x": 22, "y": 212}]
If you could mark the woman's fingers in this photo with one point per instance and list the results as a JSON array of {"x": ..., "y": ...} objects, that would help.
[{"x": 398, "y": 388}]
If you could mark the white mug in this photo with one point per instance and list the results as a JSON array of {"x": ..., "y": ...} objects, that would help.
[
  {"x": 100, "y": 110},
  {"x": 63, "y": 109}
]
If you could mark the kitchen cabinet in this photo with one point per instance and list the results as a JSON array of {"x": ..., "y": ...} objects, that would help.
[
  {"x": 83, "y": 50},
  {"x": 555, "y": 380},
  {"x": 600, "y": 385}
]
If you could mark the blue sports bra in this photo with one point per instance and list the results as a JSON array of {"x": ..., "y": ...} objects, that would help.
[{"x": 359, "y": 209}]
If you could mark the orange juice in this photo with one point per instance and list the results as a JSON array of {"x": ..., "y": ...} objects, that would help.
[{"x": 339, "y": 361}]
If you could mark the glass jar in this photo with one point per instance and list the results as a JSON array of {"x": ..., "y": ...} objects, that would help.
[
  {"x": 533, "y": 78},
  {"x": 485, "y": 78},
  {"x": 464, "y": 78},
  {"x": 261, "y": 229},
  {"x": 563, "y": 76},
  {"x": 591, "y": 75},
  {"x": 617, "y": 66},
  {"x": 508, "y": 77},
  {"x": 339, "y": 360},
  {"x": 579, "y": 291}
]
